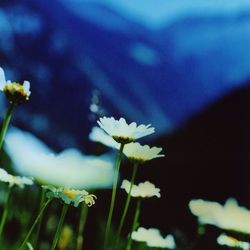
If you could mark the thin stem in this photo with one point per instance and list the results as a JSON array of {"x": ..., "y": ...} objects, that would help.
[
  {"x": 34, "y": 224},
  {"x": 83, "y": 218},
  {"x": 6, "y": 122},
  {"x": 135, "y": 224},
  {"x": 112, "y": 203},
  {"x": 5, "y": 210},
  {"x": 59, "y": 227},
  {"x": 40, "y": 219},
  {"x": 127, "y": 203}
]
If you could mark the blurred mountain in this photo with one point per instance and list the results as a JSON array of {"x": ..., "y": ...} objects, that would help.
[{"x": 158, "y": 63}]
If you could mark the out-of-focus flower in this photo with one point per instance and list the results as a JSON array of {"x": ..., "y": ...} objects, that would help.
[
  {"x": 14, "y": 91},
  {"x": 20, "y": 181},
  {"x": 69, "y": 168},
  {"x": 123, "y": 132},
  {"x": 230, "y": 241},
  {"x": 65, "y": 238},
  {"x": 98, "y": 135},
  {"x": 138, "y": 153},
  {"x": 206, "y": 211},
  {"x": 231, "y": 216},
  {"x": 152, "y": 237},
  {"x": 143, "y": 190},
  {"x": 70, "y": 195}
]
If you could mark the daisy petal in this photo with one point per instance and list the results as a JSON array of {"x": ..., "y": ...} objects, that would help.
[
  {"x": 26, "y": 87},
  {"x": 2, "y": 79}
]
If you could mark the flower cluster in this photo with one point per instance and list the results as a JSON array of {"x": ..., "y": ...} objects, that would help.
[
  {"x": 20, "y": 181},
  {"x": 152, "y": 237},
  {"x": 15, "y": 92},
  {"x": 231, "y": 216},
  {"x": 122, "y": 137},
  {"x": 134, "y": 151},
  {"x": 143, "y": 190},
  {"x": 121, "y": 132},
  {"x": 70, "y": 195}
]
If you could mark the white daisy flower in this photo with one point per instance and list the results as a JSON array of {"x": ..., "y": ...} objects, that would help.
[
  {"x": 231, "y": 216},
  {"x": 230, "y": 241},
  {"x": 13, "y": 90},
  {"x": 138, "y": 153},
  {"x": 98, "y": 135},
  {"x": 70, "y": 195},
  {"x": 153, "y": 238},
  {"x": 143, "y": 190},
  {"x": 123, "y": 132},
  {"x": 20, "y": 181},
  {"x": 70, "y": 168}
]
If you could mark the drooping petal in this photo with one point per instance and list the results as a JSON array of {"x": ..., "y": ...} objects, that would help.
[
  {"x": 2, "y": 79},
  {"x": 98, "y": 135},
  {"x": 26, "y": 87}
]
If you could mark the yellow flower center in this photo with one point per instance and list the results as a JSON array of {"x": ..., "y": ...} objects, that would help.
[
  {"x": 137, "y": 160},
  {"x": 15, "y": 92},
  {"x": 122, "y": 139},
  {"x": 70, "y": 194},
  {"x": 15, "y": 87},
  {"x": 234, "y": 241}
]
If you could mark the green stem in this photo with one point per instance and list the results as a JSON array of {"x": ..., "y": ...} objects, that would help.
[
  {"x": 125, "y": 210},
  {"x": 59, "y": 227},
  {"x": 34, "y": 224},
  {"x": 135, "y": 224},
  {"x": 5, "y": 211},
  {"x": 112, "y": 203},
  {"x": 83, "y": 218},
  {"x": 6, "y": 122},
  {"x": 40, "y": 219}
]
